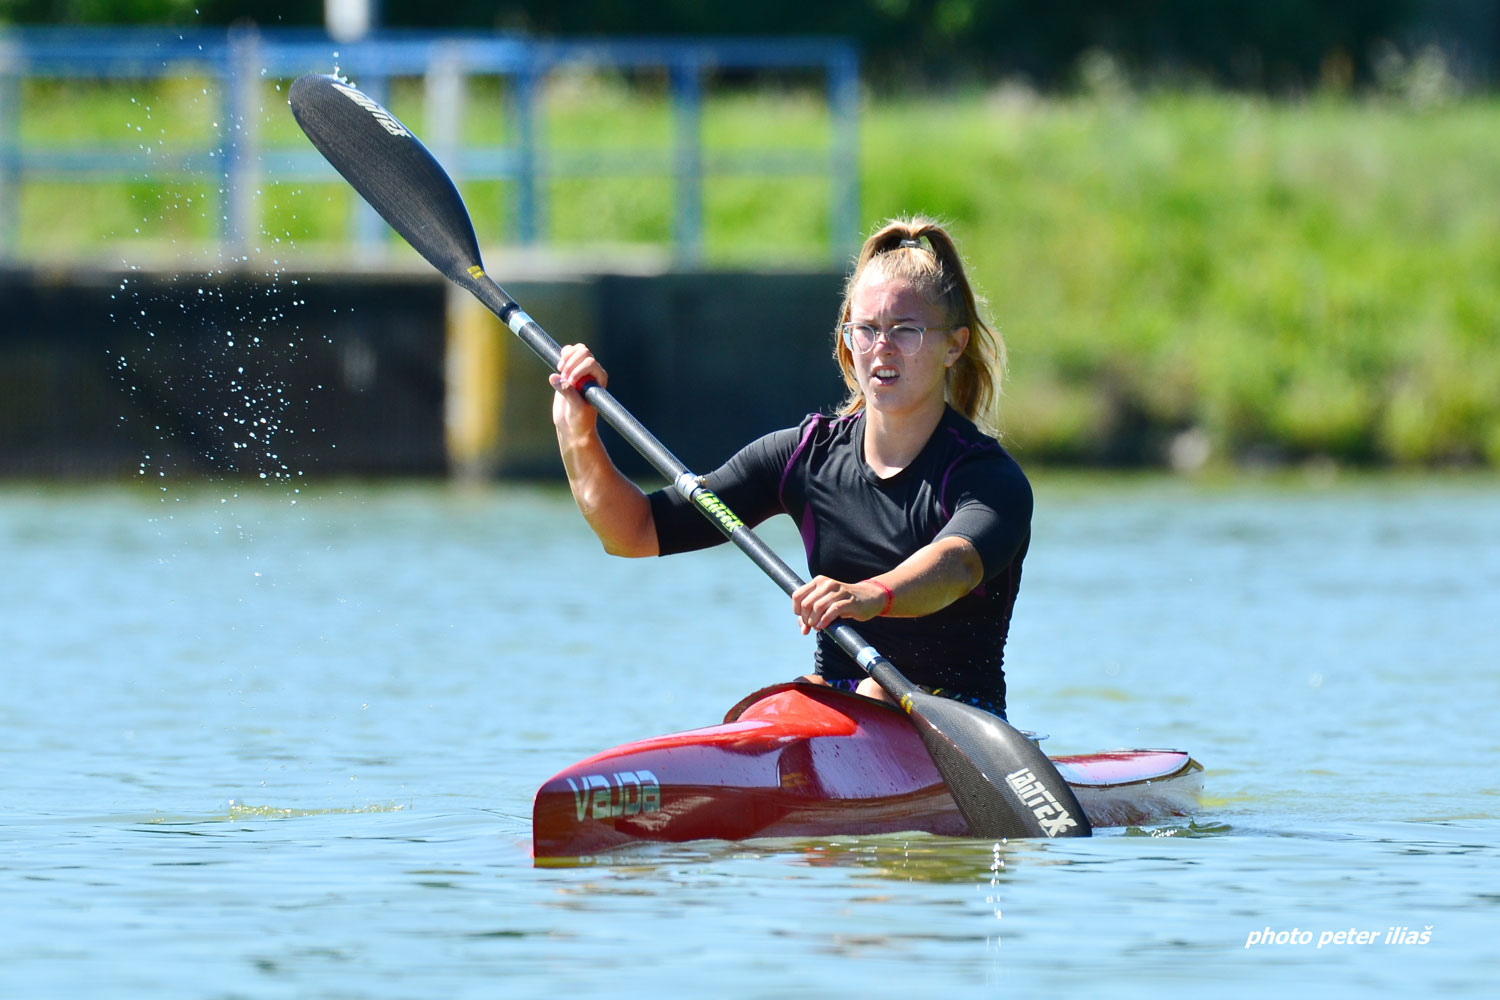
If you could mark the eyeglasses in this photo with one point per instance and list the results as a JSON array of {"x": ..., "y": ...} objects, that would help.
[{"x": 904, "y": 337}]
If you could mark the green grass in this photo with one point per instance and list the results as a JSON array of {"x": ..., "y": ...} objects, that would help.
[
  {"x": 1292, "y": 281},
  {"x": 1297, "y": 280}
]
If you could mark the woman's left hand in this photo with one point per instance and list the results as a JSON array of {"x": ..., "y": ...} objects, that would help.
[{"x": 822, "y": 601}]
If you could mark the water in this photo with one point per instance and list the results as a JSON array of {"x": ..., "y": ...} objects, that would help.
[{"x": 257, "y": 748}]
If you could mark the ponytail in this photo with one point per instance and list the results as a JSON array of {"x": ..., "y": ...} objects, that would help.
[{"x": 936, "y": 269}]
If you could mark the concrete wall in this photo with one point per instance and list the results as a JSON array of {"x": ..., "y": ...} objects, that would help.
[
  {"x": 102, "y": 374},
  {"x": 107, "y": 374}
]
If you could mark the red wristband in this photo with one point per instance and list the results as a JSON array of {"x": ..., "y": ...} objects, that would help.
[{"x": 890, "y": 598}]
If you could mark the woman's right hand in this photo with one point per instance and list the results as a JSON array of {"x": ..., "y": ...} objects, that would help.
[
  {"x": 614, "y": 506},
  {"x": 571, "y": 414}
]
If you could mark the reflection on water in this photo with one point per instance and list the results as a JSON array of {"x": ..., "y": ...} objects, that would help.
[
  {"x": 916, "y": 857},
  {"x": 1192, "y": 828},
  {"x": 241, "y": 811}
]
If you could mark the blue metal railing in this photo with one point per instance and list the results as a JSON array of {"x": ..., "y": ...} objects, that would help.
[{"x": 240, "y": 60}]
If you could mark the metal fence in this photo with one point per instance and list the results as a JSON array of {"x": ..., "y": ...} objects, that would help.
[{"x": 240, "y": 60}]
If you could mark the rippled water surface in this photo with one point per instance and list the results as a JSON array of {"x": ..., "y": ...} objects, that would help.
[{"x": 254, "y": 747}]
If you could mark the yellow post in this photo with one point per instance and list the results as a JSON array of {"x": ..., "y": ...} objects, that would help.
[
  {"x": 474, "y": 372},
  {"x": 498, "y": 405}
]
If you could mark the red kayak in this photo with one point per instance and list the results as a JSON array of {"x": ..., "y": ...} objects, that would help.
[{"x": 803, "y": 760}]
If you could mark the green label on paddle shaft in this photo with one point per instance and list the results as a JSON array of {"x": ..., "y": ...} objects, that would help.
[{"x": 717, "y": 510}]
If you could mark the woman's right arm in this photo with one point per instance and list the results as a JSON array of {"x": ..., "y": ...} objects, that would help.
[{"x": 611, "y": 504}]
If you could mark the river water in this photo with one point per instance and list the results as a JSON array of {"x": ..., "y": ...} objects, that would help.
[{"x": 258, "y": 743}]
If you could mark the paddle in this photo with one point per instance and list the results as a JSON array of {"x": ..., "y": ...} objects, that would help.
[{"x": 1003, "y": 784}]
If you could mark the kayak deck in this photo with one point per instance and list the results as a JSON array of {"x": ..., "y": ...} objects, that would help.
[{"x": 803, "y": 760}]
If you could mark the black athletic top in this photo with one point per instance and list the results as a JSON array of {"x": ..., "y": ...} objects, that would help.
[{"x": 856, "y": 525}]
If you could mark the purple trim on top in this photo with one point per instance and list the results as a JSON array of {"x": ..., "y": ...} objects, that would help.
[
  {"x": 968, "y": 446},
  {"x": 943, "y": 489},
  {"x": 943, "y": 486},
  {"x": 801, "y": 446},
  {"x": 809, "y": 530}
]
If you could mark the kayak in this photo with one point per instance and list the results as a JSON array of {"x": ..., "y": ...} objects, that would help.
[{"x": 805, "y": 760}]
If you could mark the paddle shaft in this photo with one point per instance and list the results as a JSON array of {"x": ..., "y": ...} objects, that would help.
[
  {"x": 396, "y": 174},
  {"x": 495, "y": 298}
]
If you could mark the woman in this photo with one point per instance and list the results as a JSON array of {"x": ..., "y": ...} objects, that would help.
[{"x": 915, "y": 520}]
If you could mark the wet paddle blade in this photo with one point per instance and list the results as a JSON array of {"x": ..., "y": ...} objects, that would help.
[
  {"x": 1002, "y": 782},
  {"x": 391, "y": 169}
]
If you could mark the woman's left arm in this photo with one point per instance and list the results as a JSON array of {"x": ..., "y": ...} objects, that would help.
[{"x": 928, "y": 580}]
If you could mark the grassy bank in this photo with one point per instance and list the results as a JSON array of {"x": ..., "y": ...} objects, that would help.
[
  {"x": 1288, "y": 281},
  {"x": 1190, "y": 276}
]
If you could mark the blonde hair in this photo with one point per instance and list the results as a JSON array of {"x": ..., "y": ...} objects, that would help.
[{"x": 936, "y": 271}]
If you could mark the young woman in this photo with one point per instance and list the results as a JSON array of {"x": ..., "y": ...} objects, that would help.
[{"x": 914, "y": 518}]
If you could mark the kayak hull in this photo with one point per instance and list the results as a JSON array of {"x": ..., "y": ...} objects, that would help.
[{"x": 804, "y": 760}]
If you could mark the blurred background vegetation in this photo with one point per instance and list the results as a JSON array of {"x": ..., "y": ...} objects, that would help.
[
  {"x": 1276, "y": 46},
  {"x": 1210, "y": 232}
]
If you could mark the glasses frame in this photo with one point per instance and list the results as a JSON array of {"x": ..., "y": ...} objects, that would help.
[{"x": 847, "y": 332}]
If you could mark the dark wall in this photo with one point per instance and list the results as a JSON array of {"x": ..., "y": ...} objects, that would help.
[
  {"x": 107, "y": 374},
  {"x": 250, "y": 375},
  {"x": 712, "y": 361}
]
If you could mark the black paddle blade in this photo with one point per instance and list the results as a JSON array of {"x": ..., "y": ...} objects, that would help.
[
  {"x": 391, "y": 170},
  {"x": 1002, "y": 782}
]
